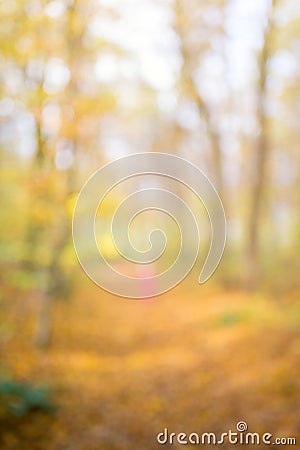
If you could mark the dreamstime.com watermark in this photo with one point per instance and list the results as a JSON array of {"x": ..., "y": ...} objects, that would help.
[
  {"x": 88, "y": 208},
  {"x": 238, "y": 437}
]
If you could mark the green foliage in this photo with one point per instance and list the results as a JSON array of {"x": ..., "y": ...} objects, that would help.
[
  {"x": 20, "y": 398},
  {"x": 20, "y": 278},
  {"x": 231, "y": 318}
]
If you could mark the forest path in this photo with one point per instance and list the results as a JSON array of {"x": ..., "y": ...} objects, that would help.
[{"x": 121, "y": 371}]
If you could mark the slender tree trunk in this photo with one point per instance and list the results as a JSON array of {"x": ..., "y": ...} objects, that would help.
[
  {"x": 43, "y": 330},
  {"x": 36, "y": 232},
  {"x": 259, "y": 172},
  {"x": 191, "y": 91},
  {"x": 55, "y": 283},
  {"x": 253, "y": 266}
]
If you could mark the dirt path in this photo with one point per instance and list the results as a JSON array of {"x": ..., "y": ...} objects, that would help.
[{"x": 121, "y": 371}]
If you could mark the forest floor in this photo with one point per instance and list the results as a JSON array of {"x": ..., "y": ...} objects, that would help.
[{"x": 121, "y": 371}]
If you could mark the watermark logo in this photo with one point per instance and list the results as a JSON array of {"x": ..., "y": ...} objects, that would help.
[
  {"x": 240, "y": 436},
  {"x": 87, "y": 213},
  {"x": 241, "y": 426}
]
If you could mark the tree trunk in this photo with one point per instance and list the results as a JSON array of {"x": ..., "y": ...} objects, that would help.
[
  {"x": 190, "y": 89},
  {"x": 55, "y": 283},
  {"x": 259, "y": 173},
  {"x": 253, "y": 263},
  {"x": 42, "y": 335}
]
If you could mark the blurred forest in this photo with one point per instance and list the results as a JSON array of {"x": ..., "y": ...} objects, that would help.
[{"x": 84, "y": 82}]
